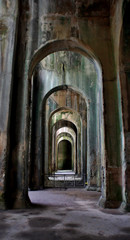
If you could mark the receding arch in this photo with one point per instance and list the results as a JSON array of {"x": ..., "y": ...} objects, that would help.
[
  {"x": 64, "y": 156},
  {"x": 65, "y": 87},
  {"x": 79, "y": 138},
  {"x": 74, "y": 45},
  {"x": 75, "y": 48},
  {"x": 68, "y": 134},
  {"x": 55, "y": 132}
]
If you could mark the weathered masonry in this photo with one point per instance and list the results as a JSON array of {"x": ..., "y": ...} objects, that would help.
[{"x": 65, "y": 98}]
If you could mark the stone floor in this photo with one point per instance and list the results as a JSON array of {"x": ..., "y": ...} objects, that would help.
[{"x": 70, "y": 214}]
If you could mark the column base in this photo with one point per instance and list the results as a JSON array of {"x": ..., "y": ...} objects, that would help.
[
  {"x": 91, "y": 188},
  {"x": 2, "y": 202},
  {"x": 2, "y": 205},
  {"x": 99, "y": 189},
  {"x": 22, "y": 202},
  {"x": 101, "y": 202},
  {"x": 125, "y": 207},
  {"x": 108, "y": 203}
]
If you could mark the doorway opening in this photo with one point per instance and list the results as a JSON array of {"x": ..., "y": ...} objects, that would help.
[
  {"x": 64, "y": 160},
  {"x": 66, "y": 98}
]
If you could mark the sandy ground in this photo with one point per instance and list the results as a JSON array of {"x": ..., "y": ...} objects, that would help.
[{"x": 71, "y": 214}]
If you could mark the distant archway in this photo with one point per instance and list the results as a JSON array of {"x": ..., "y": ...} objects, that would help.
[{"x": 64, "y": 160}]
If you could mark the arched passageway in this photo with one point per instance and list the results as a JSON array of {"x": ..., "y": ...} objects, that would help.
[
  {"x": 67, "y": 90},
  {"x": 64, "y": 160}
]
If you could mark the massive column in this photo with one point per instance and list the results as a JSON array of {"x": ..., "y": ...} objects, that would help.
[
  {"x": 18, "y": 174},
  {"x": 8, "y": 32},
  {"x": 125, "y": 84},
  {"x": 113, "y": 113}
]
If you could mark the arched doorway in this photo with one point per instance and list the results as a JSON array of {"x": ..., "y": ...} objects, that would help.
[
  {"x": 73, "y": 87},
  {"x": 64, "y": 158}
]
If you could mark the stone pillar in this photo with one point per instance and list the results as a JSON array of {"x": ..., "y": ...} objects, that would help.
[
  {"x": 125, "y": 78},
  {"x": 20, "y": 122},
  {"x": 126, "y": 203},
  {"x": 113, "y": 174},
  {"x": 114, "y": 149},
  {"x": 8, "y": 28},
  {"x": 36, "y": 155},
  {"x": 125, "y": 87}
]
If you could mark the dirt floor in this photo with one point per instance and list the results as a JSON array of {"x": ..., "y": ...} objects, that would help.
[{"x": 71, "y": 214}]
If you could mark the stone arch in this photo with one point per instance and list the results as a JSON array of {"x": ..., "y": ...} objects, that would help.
[
  {"x": 61, "y": 87},
  {"x": 62, "y": 157},
  {"x": 74, "y": 134},
  {"x": 66, "y": 45},
  {"x": 74, "y": 45},
  {"x": 73, "y": 111},
  {"x": 64, "y": 134}
]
